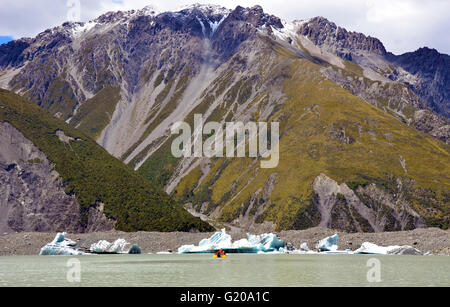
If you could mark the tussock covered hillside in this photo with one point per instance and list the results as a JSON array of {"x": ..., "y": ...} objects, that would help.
[{"x": 55, "y": 178}]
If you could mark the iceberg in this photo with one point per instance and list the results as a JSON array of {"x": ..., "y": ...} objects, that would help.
[
  {"x": 304, "y": 247},
  {"x": 266, "y": 243},
  {"x": 329, "y": 244},
  {"x": 304, "y": 250},
  {"x": 120, "y": 246},
  {"x": 254, "y": 244},
  {"x": 368, "y": 248},
  {"x": 61, "y": 246},
  {"x": 269, "y": 244},
  {"x": 290, "y": 247}
]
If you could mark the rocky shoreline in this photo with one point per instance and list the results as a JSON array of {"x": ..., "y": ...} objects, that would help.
[{"x": 433, "y": 240}]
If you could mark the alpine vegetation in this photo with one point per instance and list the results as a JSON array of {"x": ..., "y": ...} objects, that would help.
[{"x": 237, "y": 135}]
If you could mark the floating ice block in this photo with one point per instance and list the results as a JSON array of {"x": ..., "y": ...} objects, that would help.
[{"x": 265, "y": 243}]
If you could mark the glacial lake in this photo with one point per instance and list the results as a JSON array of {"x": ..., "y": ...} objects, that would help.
[{"x": 235, "y": 271}]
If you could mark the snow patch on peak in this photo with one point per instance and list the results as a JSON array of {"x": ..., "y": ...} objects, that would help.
[
  {"x": 212, "y": 15},
  {"x": 301, "y": 22},
  {"x": 149, "y": 10},
  {"x": 215, "y": 25},
  {"x": 287, "y": 33},
  {"x": 208, "y": 9},
  {"x": 84, "y": 27},
  {"x": 202, "y": 25}
]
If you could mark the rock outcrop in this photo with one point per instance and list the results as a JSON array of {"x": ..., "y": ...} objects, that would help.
[
  {"x": 433, "y": 124},
  {"x": 32, "y": 196},
  {"x": 431, "y": 71},
  {"x": 339, "y": 41},
  {"x": 341, "y": 208}
]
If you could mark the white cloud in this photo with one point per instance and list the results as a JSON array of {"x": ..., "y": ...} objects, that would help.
[{"x": 402, "y": 25}]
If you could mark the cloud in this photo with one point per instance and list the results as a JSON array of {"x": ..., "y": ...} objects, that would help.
[{"x": 402, "y": 25}]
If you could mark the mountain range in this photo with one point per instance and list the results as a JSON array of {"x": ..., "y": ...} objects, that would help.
[{"x": 364, "y": 133}]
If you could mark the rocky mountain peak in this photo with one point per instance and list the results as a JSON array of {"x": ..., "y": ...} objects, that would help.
[
  {"x": 11, "y": 54},
  {"x": 424, "y": 59},
  {"x": 148, "y": 10},
  {"x": 255, "y": 16},
  {"x": 431, "y": 76},
  {"x": 326, "y": 34},
  {"x": 207, "y": 9}
]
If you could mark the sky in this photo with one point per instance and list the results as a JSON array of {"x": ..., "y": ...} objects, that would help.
[{"x": 402, "y": 25}]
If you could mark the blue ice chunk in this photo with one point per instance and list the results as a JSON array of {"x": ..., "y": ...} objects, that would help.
[
  {"x": 265, "y": 243},
  {"x": 60, "y": 246},
  {"x": 329, "y": 244}
]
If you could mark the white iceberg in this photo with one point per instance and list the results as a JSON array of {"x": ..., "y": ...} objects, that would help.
[
  {"x": 304, "y": 247},
  {"x": 120, "y": 246},
  {"x": 329, "y": 244},
  {"x": 61, "y": 246},
  {"x": 304, "y": 250},
  {"x": 265, "y": 243},
  {"x": 368, "y": 248}
]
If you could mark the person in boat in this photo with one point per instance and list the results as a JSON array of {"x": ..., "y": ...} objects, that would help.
[{"x": 220, "y": 253}]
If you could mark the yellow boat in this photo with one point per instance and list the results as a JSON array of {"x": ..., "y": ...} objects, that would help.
[{"x": 221, "y": 256}]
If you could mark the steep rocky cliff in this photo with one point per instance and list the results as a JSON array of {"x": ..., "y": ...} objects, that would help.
[
  {"x": 431, "y": 71},
  {"x": 32, "y": 194}
]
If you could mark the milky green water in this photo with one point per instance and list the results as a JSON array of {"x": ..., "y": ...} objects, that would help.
[{"x": 236, "y": 271}]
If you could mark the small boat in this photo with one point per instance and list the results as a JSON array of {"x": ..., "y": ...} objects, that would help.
[{"x": 221, "y": 256}]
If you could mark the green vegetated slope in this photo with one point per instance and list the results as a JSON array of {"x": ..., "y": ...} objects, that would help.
[
  {"x": 94, "y": 176},
  {"x": 96, "y": 113},
  {"x": 325, "y": 129}
]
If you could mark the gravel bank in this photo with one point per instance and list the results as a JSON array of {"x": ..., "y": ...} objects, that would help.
[{"x": 435, "y": 240}]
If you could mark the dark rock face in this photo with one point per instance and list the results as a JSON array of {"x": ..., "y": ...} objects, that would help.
[
  {"x": 433, "y": 72},
  {"x": 230, "y": 36},
  {"x": 11, "y": 54},
  {"x": 255, "y": 16},
  {"x": 32, "y": 197},
  {"x": 241, "y": 25},
  {"x": 338, "y": 40}
]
